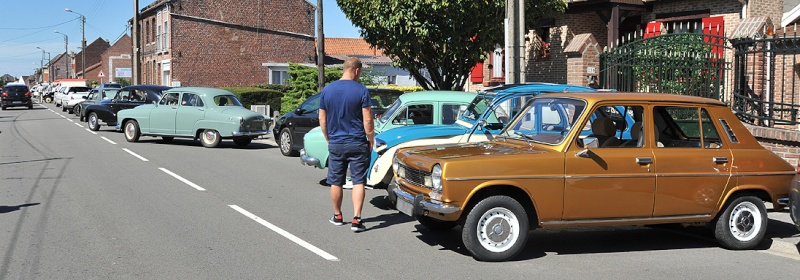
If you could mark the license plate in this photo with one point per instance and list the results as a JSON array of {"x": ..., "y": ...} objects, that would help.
[
  {"x": 16, "y": 102},
  {"x": 405, "y": 207}
]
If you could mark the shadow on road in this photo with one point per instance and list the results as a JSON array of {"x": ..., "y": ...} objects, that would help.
[
  {"x": 7, "y": 209},
  {"x": 227, "y": 143}
]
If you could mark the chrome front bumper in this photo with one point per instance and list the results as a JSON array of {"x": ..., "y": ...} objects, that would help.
[
  {"x": 421, "y": 205},
  {"x": 306, "y": 160},
  {"x": 250, "y": 133}
]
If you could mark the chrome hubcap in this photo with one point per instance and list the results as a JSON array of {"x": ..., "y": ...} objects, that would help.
[
  {"x": 129, "y": 130},
  {"x": 285, "y": 145},
  {"x": 210, "y": 136},
  {"x": 745, "y": 221},
  {"x": 498, "y": 229}
]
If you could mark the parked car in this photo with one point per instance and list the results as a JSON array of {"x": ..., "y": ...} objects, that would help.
[
  {"x": 290, "y": 127},
  {"x": 15, "y": 95},
  {"x": 64, "y": 95},
  {"x": 207, "y": 114},
  {"x": 102, "y": 92},
  {"x": 62, "y": 88},
  {"x": 483, "y": 118},
  {"x": 411, "y": 109},
  {"x": 689, "y": 160},
  {"x": 72, "y": 98},
  {"x": 109, "y": 101}
]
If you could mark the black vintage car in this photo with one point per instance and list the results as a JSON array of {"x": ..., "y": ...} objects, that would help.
[
  {"x": 96, "y": 95},
  {"x": 292, "y": 126},
  {"x": 127, "y": 97}
]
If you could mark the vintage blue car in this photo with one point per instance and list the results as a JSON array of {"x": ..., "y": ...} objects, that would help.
[
  {"x": 484, "y": 117},
  {"x": 207, "y": 114}
]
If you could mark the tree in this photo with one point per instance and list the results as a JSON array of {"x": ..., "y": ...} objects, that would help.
[{"x": 437, "y": 41}]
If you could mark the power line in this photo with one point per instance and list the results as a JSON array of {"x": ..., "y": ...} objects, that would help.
[{"x": 32, "y": 28}]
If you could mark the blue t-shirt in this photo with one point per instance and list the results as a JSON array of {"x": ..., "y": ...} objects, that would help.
[{"x": 343, "y": 100}]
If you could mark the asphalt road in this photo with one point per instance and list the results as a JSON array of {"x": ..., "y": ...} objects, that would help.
[{"x": 77, "y": 205}]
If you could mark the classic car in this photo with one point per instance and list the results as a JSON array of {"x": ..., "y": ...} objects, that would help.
[
  {"x": 291, "y": 127},
  {"x": 106, "y": 108},
  {"x": 207, "y": 114},
  {"x": 99, "y": 93},
  {"x": 688, "y": 160},
  {"x": 411, "y": 109},
  {"x": 62, "y": 96},
  {"x": 72, "y": 99},
  {"x": 485, "y": 116}
]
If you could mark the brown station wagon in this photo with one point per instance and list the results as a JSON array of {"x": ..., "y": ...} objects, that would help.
[{"x": 574, "y": 159}]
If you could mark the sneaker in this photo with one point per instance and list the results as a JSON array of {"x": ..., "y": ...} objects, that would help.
[
  {"x": 336, "y": 220},
  {"x": 357, "y": 225}
]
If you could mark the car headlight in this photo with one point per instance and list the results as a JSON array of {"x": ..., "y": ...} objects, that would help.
[
  {"x": 395, "y": 164},
  {"x": 379, "y": 145},
  {"x": 436, "y": 178}
]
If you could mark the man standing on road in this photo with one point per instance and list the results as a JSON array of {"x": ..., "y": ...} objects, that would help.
[{"x": 345, "y": 117}]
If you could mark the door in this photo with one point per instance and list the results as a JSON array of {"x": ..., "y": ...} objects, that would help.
[
  {"x": 693, "y": 165},
  {"x": 609, "y": 182},
  {"x": 190, "y": 112},
  {"x": 162, "y": 117}
]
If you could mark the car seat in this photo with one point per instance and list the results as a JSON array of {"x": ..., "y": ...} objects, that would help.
[{"x": 604, "y": 130}]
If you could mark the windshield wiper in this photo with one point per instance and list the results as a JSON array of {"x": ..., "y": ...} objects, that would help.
[{"x": 524, "y": 136}]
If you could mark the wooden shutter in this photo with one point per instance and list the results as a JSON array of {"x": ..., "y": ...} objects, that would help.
[
  {"x": 715, "y": 26},
  {"x": 652, "y": 29},
  {"x": 477, "y": 73}
]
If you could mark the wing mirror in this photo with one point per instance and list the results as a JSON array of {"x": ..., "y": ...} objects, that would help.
[
  {"x": 299, "y": 111},
  {"x": 588, "y": 143}
]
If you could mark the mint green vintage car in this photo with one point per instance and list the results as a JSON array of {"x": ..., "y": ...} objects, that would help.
[
  {"x": 207, "y": 114},
  {"x": 413, "y": 108}
]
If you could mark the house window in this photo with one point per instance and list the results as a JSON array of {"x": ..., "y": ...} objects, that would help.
[
  {"x": 391, "y": 79},
  {"x": 164, "y": 37},
  {"x": 498, "y": 63},
  {"x": 158, "y": 40},
  {"x": 279, "y": 77}
]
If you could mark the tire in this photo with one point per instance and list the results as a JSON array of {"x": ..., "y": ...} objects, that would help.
[
  {"x": 63, "y": 109},
  {"x": 94, "y": 123},
  {"x": 3, "y": 108},
  {"x": 509, "y": 223},
  {"x": 131, "y": 130},
  {"x": 210, "y": 138},
  {"x": 241, "y": 142},
  {"x": 48, "y": 99},
  {"x": 285, "y": 142},
  {"x": 436, "y": 225},
  {"x": 76, "y": 110},
  {"x": 743, "y": 223},
  {"x": 167, "y": 139}
]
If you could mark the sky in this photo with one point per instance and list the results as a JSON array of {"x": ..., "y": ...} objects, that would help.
[{"x": 27, "y": 24}]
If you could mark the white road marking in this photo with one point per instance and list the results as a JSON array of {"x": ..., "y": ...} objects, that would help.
[
  {"x": 134, "y": 154},
  {"x": 286, "y": 234},
  {"x": 70, "y": 120},
  {"x": 61, "y": 115},
  {"x": 77, "y": 124},
  {"x": 113, "y": 143},
  {"x": 92, "y": 132},
  {"x": 193, "y": 185}
]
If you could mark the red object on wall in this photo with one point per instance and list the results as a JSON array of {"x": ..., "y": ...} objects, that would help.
[
  {"x": 653, "y": 29},
  {"x": 477, "y": 73},
  {"x": 714, "y": 26}
]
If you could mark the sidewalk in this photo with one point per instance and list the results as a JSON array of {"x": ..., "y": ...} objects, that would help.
[{"x": 785, "y": 238}]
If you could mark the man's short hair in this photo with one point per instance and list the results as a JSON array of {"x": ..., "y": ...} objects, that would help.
[{"x": 352, "y": 63}]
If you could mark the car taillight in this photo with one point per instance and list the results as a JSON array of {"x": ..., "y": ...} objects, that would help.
[
  {"x": 5, "y": 94},
  {"x": 28, "y": 94}
]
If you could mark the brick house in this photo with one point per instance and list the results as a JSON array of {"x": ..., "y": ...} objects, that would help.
[
  {"x": 337, "y": 50},
  {"x": 224, "y": 43},
  {"x": 114, "y": 63},
  {"x": 93, "y": 52},
  {"x": 58, "y": 66},
  {"x": 564, "y": 47}
]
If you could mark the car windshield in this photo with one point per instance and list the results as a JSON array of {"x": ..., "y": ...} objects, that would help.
[
  {"x": 227, "y": 100},
  {"x": 477, "y": 107},
  {"x": 381, "y": 100},
  {"x": 390, "y": 111},
  {"x": 544, "y": 121}
]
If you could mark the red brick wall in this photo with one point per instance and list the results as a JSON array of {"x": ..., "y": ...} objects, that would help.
[
  {"x": 121, "y": 47},
  {"x": 93, "y": 51},
  {"x": 204, "y": 52},
  {"x": 553, "y": 69}
]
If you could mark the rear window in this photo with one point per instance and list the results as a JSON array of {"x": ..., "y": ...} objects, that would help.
[
  {"x": 79, "y": 89},
  {"x": 16, "y": 89}
]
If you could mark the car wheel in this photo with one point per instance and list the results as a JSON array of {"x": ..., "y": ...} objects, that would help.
[
  {"x": 132, "y": 131},
  {"x": 63, "y": 109},
  {"x": 167, "y": 139},
  {"x": 242, "y": 141},
  {"x": 210, "y": 138},
  {"x": 2, "y": 108},
  {"x": 30, "y": 107},
  {"x": 76, "y": 110},
  {"x": 436, "y": 225},
  {"x": 94, "y": 123},
  {"x": 496, "y": 229},
  {"x": 743, "y": 223},
  {"x": 285, "y": 143},
  {"x": 48, "y": 99}
]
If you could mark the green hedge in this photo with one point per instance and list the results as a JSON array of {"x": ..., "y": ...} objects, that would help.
[{"x": 257, "y": 96}]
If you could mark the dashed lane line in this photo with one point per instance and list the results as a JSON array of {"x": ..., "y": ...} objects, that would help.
[
  {"x": 108, "y": 140},
  {"x": 78, "y": 124},
  {"x": 134, "y": 154},
  {"x": 193, "y": 185},
  {"x": 286, "y": 234},
  {"x": 92, "y": 132}
]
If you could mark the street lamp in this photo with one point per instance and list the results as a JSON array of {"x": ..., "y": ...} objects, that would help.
[
  {"x": 83, "y": 42},
  {"x": 66, "y": 52}
]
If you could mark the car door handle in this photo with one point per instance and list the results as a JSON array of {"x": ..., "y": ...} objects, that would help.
[
  {"x": 720, "y": 160},
  {"x": 644, "y": 160}
]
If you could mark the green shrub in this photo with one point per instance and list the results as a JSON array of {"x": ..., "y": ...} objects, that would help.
[{"x": 257, "y": 96}]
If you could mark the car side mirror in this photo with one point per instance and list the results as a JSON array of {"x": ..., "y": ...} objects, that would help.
[
  {"x": 591, "y": 142},
  {"x": 85, "y": 97}
]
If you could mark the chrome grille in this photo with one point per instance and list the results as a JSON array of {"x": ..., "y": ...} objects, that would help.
[
  {"x": 254, "y": 124},
  {"x": 414, "y": 176}
]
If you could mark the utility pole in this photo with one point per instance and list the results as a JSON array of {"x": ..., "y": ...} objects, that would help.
[
  {"x": 66, "y": 53},
  {"x": 515, "y": 41},
  {"x": 320, "y": 48},
  {"x": 135, "y": 35},
  {"x": 83, "y": 42}
]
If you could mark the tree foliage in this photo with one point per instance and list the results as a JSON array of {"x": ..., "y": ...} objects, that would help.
[
  {"x": 438, "y": 41},
  {"x": 303, "y": 83}
]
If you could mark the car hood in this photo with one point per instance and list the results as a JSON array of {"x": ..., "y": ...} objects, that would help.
[
  {"x": 471, "y": 150},
  {"x": 399, "y": 135}
]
